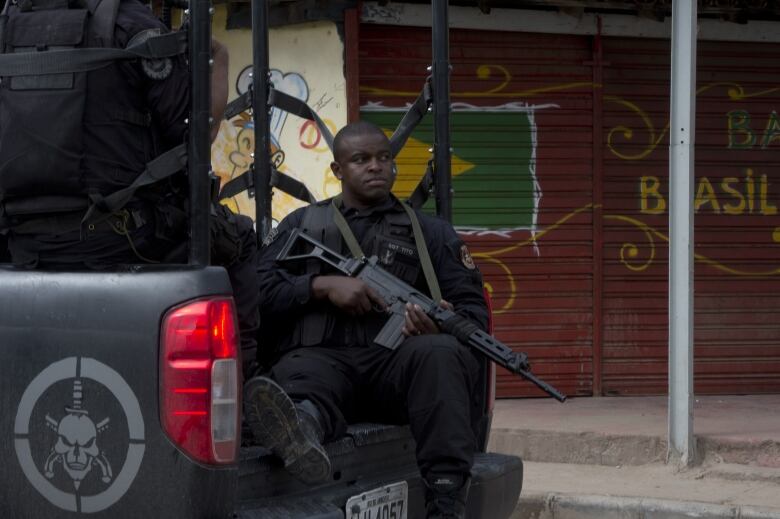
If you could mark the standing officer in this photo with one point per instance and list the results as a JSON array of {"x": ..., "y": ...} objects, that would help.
[
  {"x": 324, "y": 325},
  {"x": 76, "y": 139}
]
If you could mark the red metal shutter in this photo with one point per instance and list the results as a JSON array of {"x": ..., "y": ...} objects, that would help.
[
  {"x": 737, "y": 226},
  {"x": 523, "y": 151}
]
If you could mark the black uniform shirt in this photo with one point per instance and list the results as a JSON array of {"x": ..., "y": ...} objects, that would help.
[
  {"x": 168, "y": 100},
  {"x": 114, "y": 147},
  {"x": 285, "y": 295}
]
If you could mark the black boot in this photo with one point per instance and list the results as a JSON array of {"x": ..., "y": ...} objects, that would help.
[
  {"x": 445, "y": 495},
  {"x": 275, "y": 424},
  {"x": 311, "y": 420}
]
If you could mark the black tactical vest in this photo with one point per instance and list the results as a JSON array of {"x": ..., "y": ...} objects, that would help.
[
  {"x": 59, "y": 132},
  {"x": 393, "y": 244}
]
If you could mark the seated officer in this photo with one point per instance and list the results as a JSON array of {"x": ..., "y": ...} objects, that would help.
[{"x": 328, "y": 371}]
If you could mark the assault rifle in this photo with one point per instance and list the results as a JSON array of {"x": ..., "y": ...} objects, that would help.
[{"x": 396, "y": 294}]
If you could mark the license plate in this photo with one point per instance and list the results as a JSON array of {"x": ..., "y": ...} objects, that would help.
[{"x": 387, "y": 502}]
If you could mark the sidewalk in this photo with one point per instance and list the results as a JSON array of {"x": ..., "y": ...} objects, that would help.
[{"x": 604, "y": 458}]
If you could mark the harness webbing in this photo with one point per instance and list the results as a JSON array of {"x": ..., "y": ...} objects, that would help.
[
  {"x": 85, "y": 60},
  {"x": 419, "y": 242},
  {"x": 170, "y": 162},
  {"x": 425, "y": 257}
]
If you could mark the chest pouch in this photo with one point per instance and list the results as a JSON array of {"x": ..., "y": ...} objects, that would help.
[
  {"x": 398, "y": 256},
  {"x": 41, "y": 116}
]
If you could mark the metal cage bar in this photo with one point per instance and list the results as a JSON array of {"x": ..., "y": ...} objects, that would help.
[{"x": 199, "y": 141}]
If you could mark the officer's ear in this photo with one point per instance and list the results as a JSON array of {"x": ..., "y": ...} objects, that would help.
[
  {"x": 394, "y": 169},
  {"x": 335, "y": 167}
]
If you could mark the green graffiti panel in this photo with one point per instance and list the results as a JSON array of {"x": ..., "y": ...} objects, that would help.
[{"x": 492, "y": 165}]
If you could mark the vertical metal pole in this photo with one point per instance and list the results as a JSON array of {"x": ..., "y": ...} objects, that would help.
[
  {"x": 262, "y": 119},
  {"x": 441, "y": 109},
  {"x": 199, "y": 143},
  {"x": 352, "y": 62},
  {"x": 681, "y": 242},
  {"x": 598, "y": 199}
]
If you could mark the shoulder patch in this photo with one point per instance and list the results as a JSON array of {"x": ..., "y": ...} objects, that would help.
[
  {"x": 157, "y": 69},
  {"x": 465, "y": 257},
  {"x": 271, "y": 237}
]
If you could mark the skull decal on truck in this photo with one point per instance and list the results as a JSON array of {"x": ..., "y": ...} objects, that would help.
[
  {"x": 77, "y": 422},
  {"x": 77, "y": 446}
]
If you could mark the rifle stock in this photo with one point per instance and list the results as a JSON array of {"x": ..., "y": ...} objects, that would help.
[{"x": 397, "y": 293}]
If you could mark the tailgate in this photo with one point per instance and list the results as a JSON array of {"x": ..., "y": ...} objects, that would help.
[
  {"x": 79, "y": 387},
  {"x": 371, "y": 456}
]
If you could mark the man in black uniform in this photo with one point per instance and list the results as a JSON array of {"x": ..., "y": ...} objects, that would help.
[
  {"x": 323, "y": 326},
  {"x": 133, "y": 111}
]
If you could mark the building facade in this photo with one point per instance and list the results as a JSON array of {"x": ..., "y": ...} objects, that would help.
[{"x": 560, "y": 173}]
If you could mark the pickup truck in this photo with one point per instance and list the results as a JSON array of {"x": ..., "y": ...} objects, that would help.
[
  {"x": 121, "y": 399},
  {"x": 120, "y": 393}
]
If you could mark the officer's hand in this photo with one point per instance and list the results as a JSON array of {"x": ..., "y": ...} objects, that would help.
[
  {"x": 351, "y": 295},
  {"x": 418, "y": 322}
]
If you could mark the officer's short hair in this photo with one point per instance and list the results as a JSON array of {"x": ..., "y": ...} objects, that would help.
[{"x": 353, "y": 130}]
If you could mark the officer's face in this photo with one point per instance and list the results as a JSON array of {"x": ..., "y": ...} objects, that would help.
[{"x": 365, "y": 167}]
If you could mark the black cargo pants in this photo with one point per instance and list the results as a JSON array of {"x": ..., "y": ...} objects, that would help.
[{"x": 428, "y": 382}]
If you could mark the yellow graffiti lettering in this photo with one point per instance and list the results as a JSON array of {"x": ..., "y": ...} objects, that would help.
[
  {"x": 705, "y": 194},
  {"x": 726, "y": 186},
  {"x": 750, "y": 189},
  {"x": 772, "y": 130},
  {"x": 741, "y": 136},
  {"x": 649, "y": 193},
  {"x": 766, "y": 207},
  {"x": 727, "y": 197}
]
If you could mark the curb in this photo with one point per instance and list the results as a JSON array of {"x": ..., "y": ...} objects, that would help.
[
  {"x": 583, "y": 448},
  {"x": 567, "y": 506},
  {"x": 590, "y": 448}
]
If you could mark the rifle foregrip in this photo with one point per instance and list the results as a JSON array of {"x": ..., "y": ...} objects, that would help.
[{"x": 459, "y": 327}]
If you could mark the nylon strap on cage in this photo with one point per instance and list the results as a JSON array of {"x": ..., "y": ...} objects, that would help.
[
  {"x": 240, "y": 104},
  {"x": 411, "y": 118},
  {"x": 295, "y": 106},
  {"x": 282, "y": 101},
  {"x": 279, "y": 180},
  {"x": 424, "y": 188},
  {"x": 419, "y": 242}
]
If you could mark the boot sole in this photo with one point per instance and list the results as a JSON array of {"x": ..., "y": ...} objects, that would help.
[{"x": 274, "y": 423}]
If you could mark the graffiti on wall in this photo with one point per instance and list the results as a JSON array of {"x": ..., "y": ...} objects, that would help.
[
  {"x": 736, "y": 189},
  {"x": 498, "y": 195},
  {"x": 509, "y": 162},
  {"x": 508, "y": 211},
  {"x": 297, "y": 147},
  {"x": 307, "y": 63}
]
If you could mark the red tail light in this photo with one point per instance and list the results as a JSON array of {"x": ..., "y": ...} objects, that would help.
[{"x": 199, "y": 380}]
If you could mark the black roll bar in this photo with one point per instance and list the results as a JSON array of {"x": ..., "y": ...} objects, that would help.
[
  {"x": 441, "y": 108},
  {"x": 262, "y": 120},
  {"x": 199, "y": 141}
]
